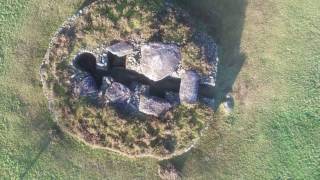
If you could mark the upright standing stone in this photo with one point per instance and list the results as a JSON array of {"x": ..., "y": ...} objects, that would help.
[{"x": 189, "y": 87}]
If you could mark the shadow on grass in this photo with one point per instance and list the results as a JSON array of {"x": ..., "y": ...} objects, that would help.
[
  {"x": 44, "y": 144},
  {"x": 55, "y": 134},
  {"x": 224, "y": 20}
]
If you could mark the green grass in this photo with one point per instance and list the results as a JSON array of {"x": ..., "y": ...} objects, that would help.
[{"x": 269, "y": 54}]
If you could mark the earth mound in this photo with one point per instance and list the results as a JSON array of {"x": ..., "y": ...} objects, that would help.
[{"x": 132, "y": 77}]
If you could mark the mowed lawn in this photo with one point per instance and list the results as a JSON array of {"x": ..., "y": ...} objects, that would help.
[{"x": 270, "y": 61}]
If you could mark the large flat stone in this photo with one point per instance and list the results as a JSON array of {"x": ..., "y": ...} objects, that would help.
[{"x": 159, "y": 60}]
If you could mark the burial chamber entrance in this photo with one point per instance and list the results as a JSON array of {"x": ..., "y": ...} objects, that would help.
[{"x": 87, "y": 62}]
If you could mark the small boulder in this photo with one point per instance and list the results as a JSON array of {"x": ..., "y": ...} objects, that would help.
[
  {"x": 120, "y": 49},
  {"x": 159, "y": 60},
  {"x": 88, "y": 86},
  {"x": 189, "y": 87},
  {"x": 103, "y": 63},
  {"x": 118, "y": 93},
  {"x": 153, "y": 105},
  {"x": 228, "y": 104}
]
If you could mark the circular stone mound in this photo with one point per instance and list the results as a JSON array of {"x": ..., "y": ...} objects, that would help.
[{"x": 77, "y": 57}]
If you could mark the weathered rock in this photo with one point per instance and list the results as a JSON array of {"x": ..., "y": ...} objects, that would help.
[
  {"x": 103, "y": 63},
  {"x": 120, "y": 49},
  {"x": 189, "y": 87},
  {"x": 228, "y": 104},
  {"x": 106, "y": 83},
  {"x": 153, "y": 105},
  {"x": 159, "y": 60},
  {"x": 88, "y": 86},
  {"x": 118, "y": 93}
]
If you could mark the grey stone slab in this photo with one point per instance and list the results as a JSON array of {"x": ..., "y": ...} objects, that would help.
[{"x": 159, "y": 60}]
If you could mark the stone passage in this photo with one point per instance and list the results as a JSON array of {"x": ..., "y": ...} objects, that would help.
[{"x": 151, "y": 83}]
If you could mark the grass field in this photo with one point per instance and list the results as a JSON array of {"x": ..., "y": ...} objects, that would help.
[{"x": 270, "y": 59}]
